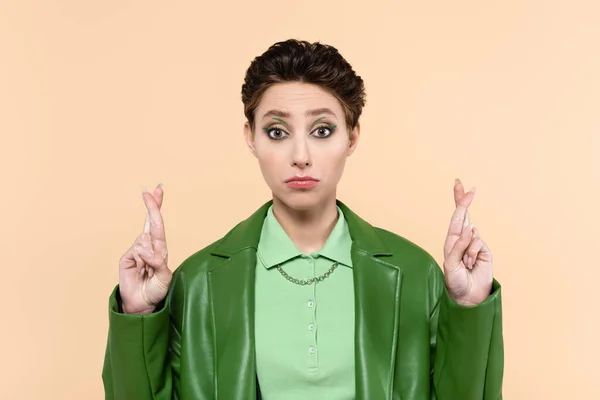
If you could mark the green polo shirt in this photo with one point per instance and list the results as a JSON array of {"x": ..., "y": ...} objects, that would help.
[{"x": 304, "y": 333}]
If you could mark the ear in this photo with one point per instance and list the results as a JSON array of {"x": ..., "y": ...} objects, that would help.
[
  {"x": 249, "y": 137},
  {"x": 354, "y": 135}
]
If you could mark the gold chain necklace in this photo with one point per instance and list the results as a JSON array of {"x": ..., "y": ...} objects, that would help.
[{"x": 307, "y": 281}]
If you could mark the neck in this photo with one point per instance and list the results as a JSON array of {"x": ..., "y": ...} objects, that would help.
[{"x": 308, "y": 229}]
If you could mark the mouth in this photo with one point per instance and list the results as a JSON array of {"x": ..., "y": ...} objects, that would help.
[
  {"x": 301, "y": 179},
  {"x": 301, "y": 182}
]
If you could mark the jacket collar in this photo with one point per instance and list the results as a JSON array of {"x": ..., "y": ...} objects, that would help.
[
  {"x": 246, "y": 234},
  {"x": 276, "y": 247},
  {"x": 377, "y": 308}
]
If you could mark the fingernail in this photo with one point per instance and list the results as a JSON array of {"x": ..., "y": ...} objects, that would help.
[
  {"x": 147, "y": 253},
  {"x": 474, "y": 189},
  {"x": 144, "y": 189},
  {"x": 470, "y": 262},
  {"x": 159, "y": 186}
]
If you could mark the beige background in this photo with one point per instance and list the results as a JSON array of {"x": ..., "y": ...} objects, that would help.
[{"x": 101, "y": 98}]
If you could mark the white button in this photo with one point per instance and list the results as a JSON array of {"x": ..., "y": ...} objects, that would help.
[
  {"x": 309, "y": 259},
  {"x": 311, "y": 350},
  {"x": 310, "y": 303},
  {"x": 311, "y": 327}
]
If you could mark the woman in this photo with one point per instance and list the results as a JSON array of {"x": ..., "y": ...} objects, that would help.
[{"x": 304, "y": 299}]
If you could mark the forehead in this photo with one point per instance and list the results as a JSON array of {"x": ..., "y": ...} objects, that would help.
[{"x": 296, "y": 98}]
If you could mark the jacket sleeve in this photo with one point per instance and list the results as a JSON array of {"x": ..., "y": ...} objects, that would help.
[
  {"x": 142, "y": 354},
  {"x": 467, "y": 344}
]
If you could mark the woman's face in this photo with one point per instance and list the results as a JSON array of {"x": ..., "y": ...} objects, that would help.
[{"x": 301, "y": 142}]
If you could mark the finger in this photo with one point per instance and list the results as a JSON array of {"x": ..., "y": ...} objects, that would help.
[
  {"x": 132, "y": 260},
  {"x": 484, "y": 247},
  {"x": 143, "y": 240},
  {"x": 160, "y": 258},
  {"x": 140, "y": 265},
  {"x": 127, "y": 260},
  {"x": 156, "y": 228},
  {"x": 158, "y": 195},
  {"x": 472, "y": 251},
  {"x": 455, "y": 256},
  {"x": 151, "y": 258},
  {"x": 458, "y": 221},
  {"x": 485, "y": 254},
  {"x": 459, "y": 191},
  {"x": 144, "y": 253},
  {"x": 150, "y": 272},
  {"x": 146, "y": 242}
]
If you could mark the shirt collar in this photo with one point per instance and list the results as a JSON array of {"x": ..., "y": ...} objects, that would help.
[{"x": 275, "y": 246}]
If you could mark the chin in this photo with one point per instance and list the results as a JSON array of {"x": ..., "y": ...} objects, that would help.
[{"x": 301, "y": 200}]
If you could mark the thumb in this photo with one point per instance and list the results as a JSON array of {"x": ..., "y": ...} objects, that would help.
[
  {"x": 157, "y": 267},
  {"x": 455, "y": 255},
  {"x": 155, "y": 260}
]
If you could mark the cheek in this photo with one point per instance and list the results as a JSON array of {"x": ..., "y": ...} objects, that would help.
[
  {"x": 269, "y": 161},
  {"x": 334, "y": 160},
  {"x": 338, "y": 163}
]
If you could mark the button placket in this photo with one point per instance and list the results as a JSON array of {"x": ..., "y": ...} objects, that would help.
[{"x": 312, "y": 323}]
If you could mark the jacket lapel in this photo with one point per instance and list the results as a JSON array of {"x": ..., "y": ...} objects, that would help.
[
  {"x": 377, "y": 309},
  {"x": 377, "y": 305},
  {"x": 231, "y": 292}
]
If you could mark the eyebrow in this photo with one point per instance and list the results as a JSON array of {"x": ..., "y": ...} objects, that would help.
[
  {"x": 309, "y": 113},
  {"x": 319, "y": 111}
]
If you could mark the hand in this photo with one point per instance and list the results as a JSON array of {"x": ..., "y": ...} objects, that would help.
[
  {"x": 467, "y": 259},
  {"x": 144, "y": 276}
]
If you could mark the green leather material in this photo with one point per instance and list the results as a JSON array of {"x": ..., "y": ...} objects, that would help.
[{"x": 412, "y": 341}]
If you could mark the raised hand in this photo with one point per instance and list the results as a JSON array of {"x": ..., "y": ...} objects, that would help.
[
  {"x": 467, "y": 259},
  {"x": 144, "y": 275}
]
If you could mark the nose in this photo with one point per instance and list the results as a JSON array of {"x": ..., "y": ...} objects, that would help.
[{"x": 301, "y": 155}]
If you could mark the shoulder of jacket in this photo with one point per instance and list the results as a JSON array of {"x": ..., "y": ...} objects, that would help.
[
  {"x": 199, "y": 261},
  {"x": 404, "y": 250},
  {"x": 202, "y": 260}
]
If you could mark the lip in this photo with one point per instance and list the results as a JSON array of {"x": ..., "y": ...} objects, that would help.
[
  {"x": 302, "y": 182},
  {"x": 301, "y": 179}
]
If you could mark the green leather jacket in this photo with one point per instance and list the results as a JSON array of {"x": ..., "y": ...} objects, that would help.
[{"x": 412, "y": 340}]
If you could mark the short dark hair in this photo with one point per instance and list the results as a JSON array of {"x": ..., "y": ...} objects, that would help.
[{"x": 301, "y": 61}]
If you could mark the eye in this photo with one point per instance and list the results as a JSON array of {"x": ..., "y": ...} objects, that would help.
[
  {"x": 323, "y": 131},
  {"x": 275, "y": 133}
]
